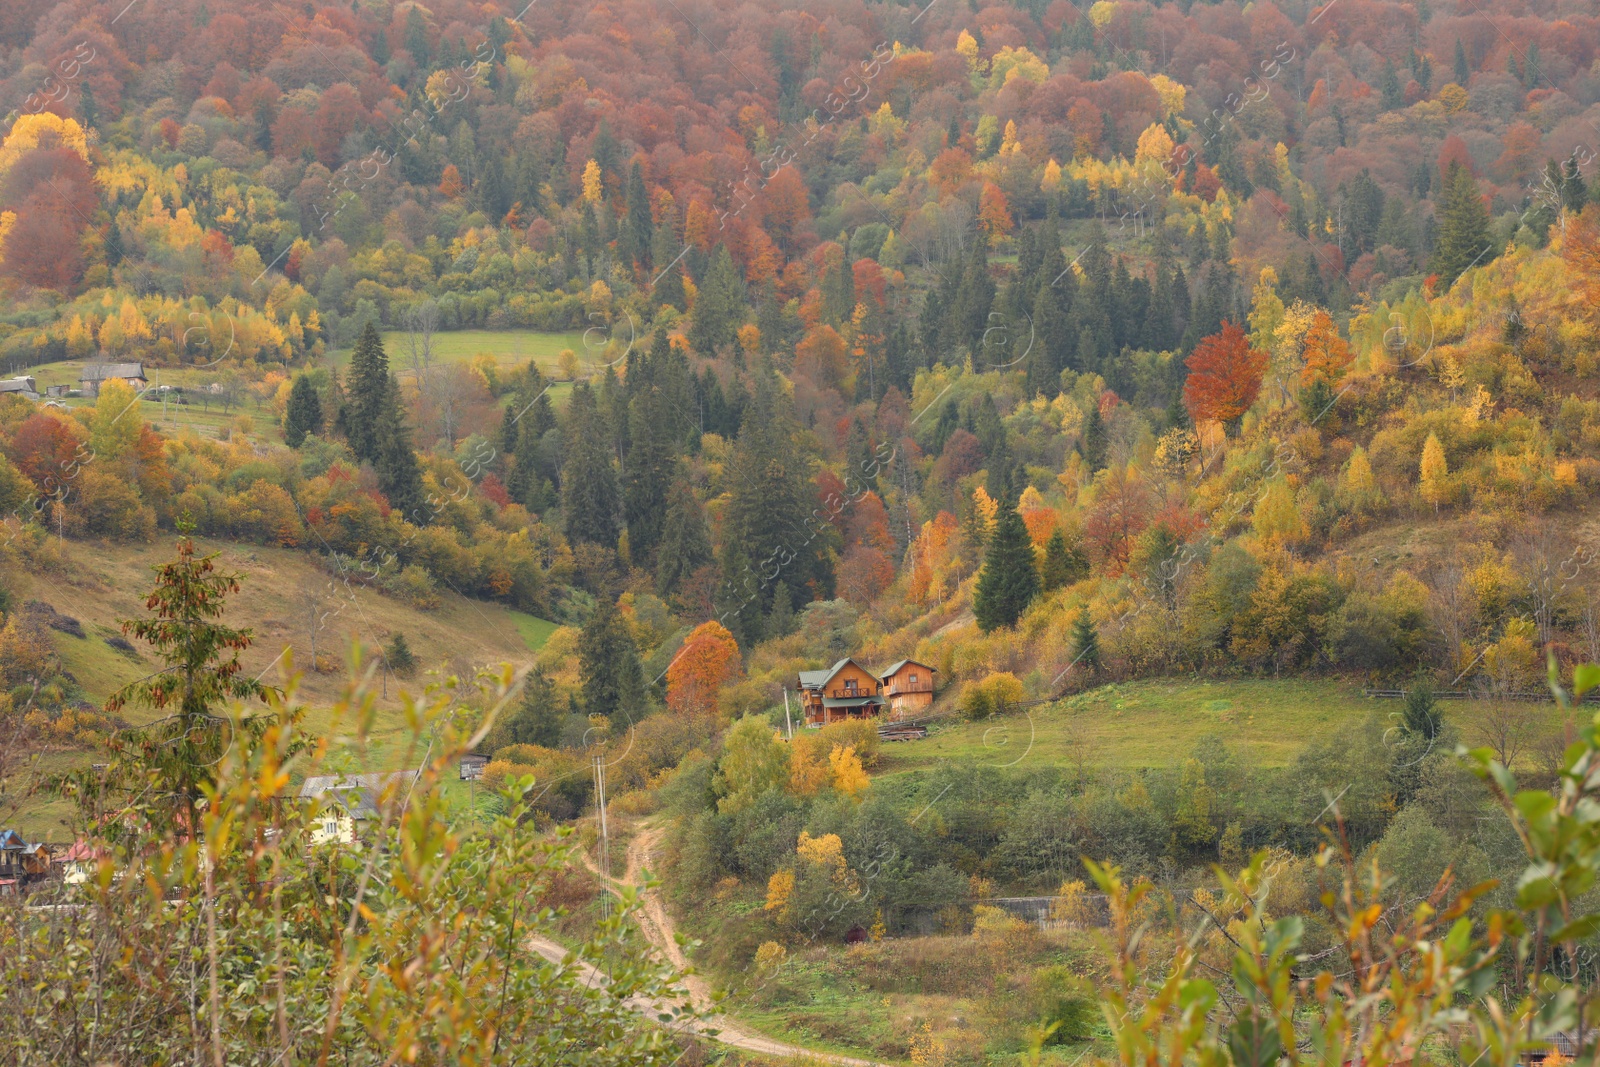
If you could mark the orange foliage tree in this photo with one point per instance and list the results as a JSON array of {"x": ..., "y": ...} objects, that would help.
[
  {"x": 1327, "y": 354},
  {"x": 709, "y": 660},
  {"x": 1580, "y": 249},
  {"x": 1224, "y": 377}
]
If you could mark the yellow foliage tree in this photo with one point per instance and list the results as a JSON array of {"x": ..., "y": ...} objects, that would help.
[
  {"x": 849, "y": 777},
  {"x": 986, "y": 506},
  {"x": 1434, "y": 472},
  {"x": 1052, "y": 177},
  {"x": 1358, "y": 488},
  {"x": 780, "y": 890},
  {"x": 967, "y": 46},
  {"x": 592, "y": 185},
  {"x": 28, "y": 130},
  {"x": 1155, "y": 146},
  {"x": 1277, "y": 519}
]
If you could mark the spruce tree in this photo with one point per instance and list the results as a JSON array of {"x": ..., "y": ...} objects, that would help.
[
  {"x": 1009, "y": 580},
  {"x": 367, "y": 393},
  {"x": 399, "y": 477},
  {"x": 719, "y": 309},
  {"x": 685, "y": 541},
  {"x": 1085, "y": 642},
  {"x": 780, "y": 621},
  {"x": 608, "y": 663},
  {"x": 1093, "y": 445},
  {"x": 637, "y": 230},
  {"x": 647, "y": 471},
  {"x": 303, "y": 414},
  {"x": 510, "y": 431},
  {"x": 536, "y": 720},
  {"x": 589, "y": 494},
  {"x": 1463, "y": 71},
  {"x": 1463, "y": 227},
  {"x": 1063, "y": 563}
]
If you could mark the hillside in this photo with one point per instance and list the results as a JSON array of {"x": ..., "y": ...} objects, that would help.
[{"x": 281, "y": 592}]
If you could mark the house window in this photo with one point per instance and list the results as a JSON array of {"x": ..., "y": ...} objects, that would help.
[
  {"x": 913, "y": 679},
  {"x": 850, "y": 686},
  {"x": 330, "y": 827}
]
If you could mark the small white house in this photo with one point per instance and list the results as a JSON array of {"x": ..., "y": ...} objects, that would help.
[{"x": 349, "y": 799}]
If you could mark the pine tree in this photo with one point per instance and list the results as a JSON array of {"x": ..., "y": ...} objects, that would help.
[
  {"x": 1389, "y": 85},
  {"x": 1085, "y": 642},
  {"x": 367, "y": 393},
  {"x": 399, "y": 477},
  {"x": 510, "y": 426},
  {"x": 719, "y": 309},
  {"x": 638, "y": 229},
  {"x": 608, "y": 663},
  {"x": 1063, "y": 563},
  {"x": 1463, "y": 71},
  {"x": 685, "y": 541},
  {"x": 1463, "y": 226},
  {"x": 1094, "y": 439},
  {"x": 780, "y": 621},
  {"x": 646, "y": 473},
  {"x": 1009, "y": 580},
  {"x": 398, "y": 655},
  {"x": 303, "y": 414},
  {"x": 536, "y": 720},
  {"x": 417, "y": 38},
  {"x": 589, "y": 494}
]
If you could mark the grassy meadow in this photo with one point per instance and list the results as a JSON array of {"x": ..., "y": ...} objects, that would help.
[{"x": 280, "y": 593}]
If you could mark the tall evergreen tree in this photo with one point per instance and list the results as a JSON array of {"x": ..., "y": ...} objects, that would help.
[
  {"x": 771, "y": 500},
  {"x": 647, "y": 472},
  {"x": 589, "y": 496},
  {"x": 366, "y": 393},
  {"x": 399, "y": 477},
  {"x": 303, "y": 414},
  {"x": 685, "y": 541},
  {"x": 510, "y": 430},
  {"x": 1093, "y": 443},
  {"x": 1009, "y": 581},
  {"x": 1463, "y": 71},
  {"x": 1063, "y": 564},
  {"x": 638, "y": 229},
  {"x": 719, "y": 309},
  {"x": 608, "y": 663},
  {"x": 1085, "y": 642},
  {"x": 1463, "y": 226}
]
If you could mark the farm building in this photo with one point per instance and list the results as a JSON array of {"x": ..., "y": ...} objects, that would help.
[{"x": 97, "y": 374}]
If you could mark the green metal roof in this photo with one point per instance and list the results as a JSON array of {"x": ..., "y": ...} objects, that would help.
[{"x": 850, "y": 702}]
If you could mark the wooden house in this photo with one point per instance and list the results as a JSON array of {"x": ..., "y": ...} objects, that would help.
[
  {"x": 846, "y": 690},
  {"x": 97, "y": 374},
  {"x": 907, "y": 686},
  {"x": 347, "y": 800}
]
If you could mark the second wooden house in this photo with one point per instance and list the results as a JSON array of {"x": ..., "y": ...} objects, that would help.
[{"x": 848, "y": 690}]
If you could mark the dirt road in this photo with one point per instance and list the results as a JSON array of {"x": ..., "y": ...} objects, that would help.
[{"x": 659, "y": 930}]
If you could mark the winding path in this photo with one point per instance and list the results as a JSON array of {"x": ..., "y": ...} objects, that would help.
[{"x": 659, "y": 930}]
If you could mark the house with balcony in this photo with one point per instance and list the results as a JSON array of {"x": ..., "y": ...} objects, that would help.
[{"x": 848, "y": 690}]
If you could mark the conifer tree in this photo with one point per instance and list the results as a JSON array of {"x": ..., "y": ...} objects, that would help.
[
  {"x": 719, "y": 309},
  {"x": 1085, "y": 642},
  {"x": 399, "y": 477},
  {"x": 685, "y": 541},
  {"x": 510, "y": 431},
  {"x": 1093, "y": 445},
  {"x": 637, "y": 230},
  {"x": 1463, "y": 71},
  {"x": 647, "y": 471},
  {"x": 608, "y": 662},
  {"x": 367, "y": 393},
  {"x": 589, "y": 494},
  {"x": 1009, "y": 580},
  {"x": 780, "y": 621},
  {"x": 1063, "y": 563},
  {"x": 536, "y": 720},
  {"x": 1434, "y": 472},
  {"x": 1463, "y": 226},
  {"x": 303, "y": 415}
]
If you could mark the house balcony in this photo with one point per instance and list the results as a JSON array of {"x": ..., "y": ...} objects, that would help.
[{"x": 901, "y": 688}]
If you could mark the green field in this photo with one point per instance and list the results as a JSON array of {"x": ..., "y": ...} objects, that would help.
[
  {"x": 508, "y": 347},
  {"x": 1150, "y": 723}
]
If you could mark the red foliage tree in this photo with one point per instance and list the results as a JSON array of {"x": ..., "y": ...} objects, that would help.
[
  {"x": 708, "y": 661},
  {"x": 43, "y": 448},
  {"x": 51, "y": 189},
  {"x": 1224, "y": 377}
]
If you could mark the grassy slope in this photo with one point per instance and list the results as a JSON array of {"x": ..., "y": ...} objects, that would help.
[
  {"x": 1149, "y": 723},
  {"x": 509, "y": 347},
  {"x": 105, "y": 583}
]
